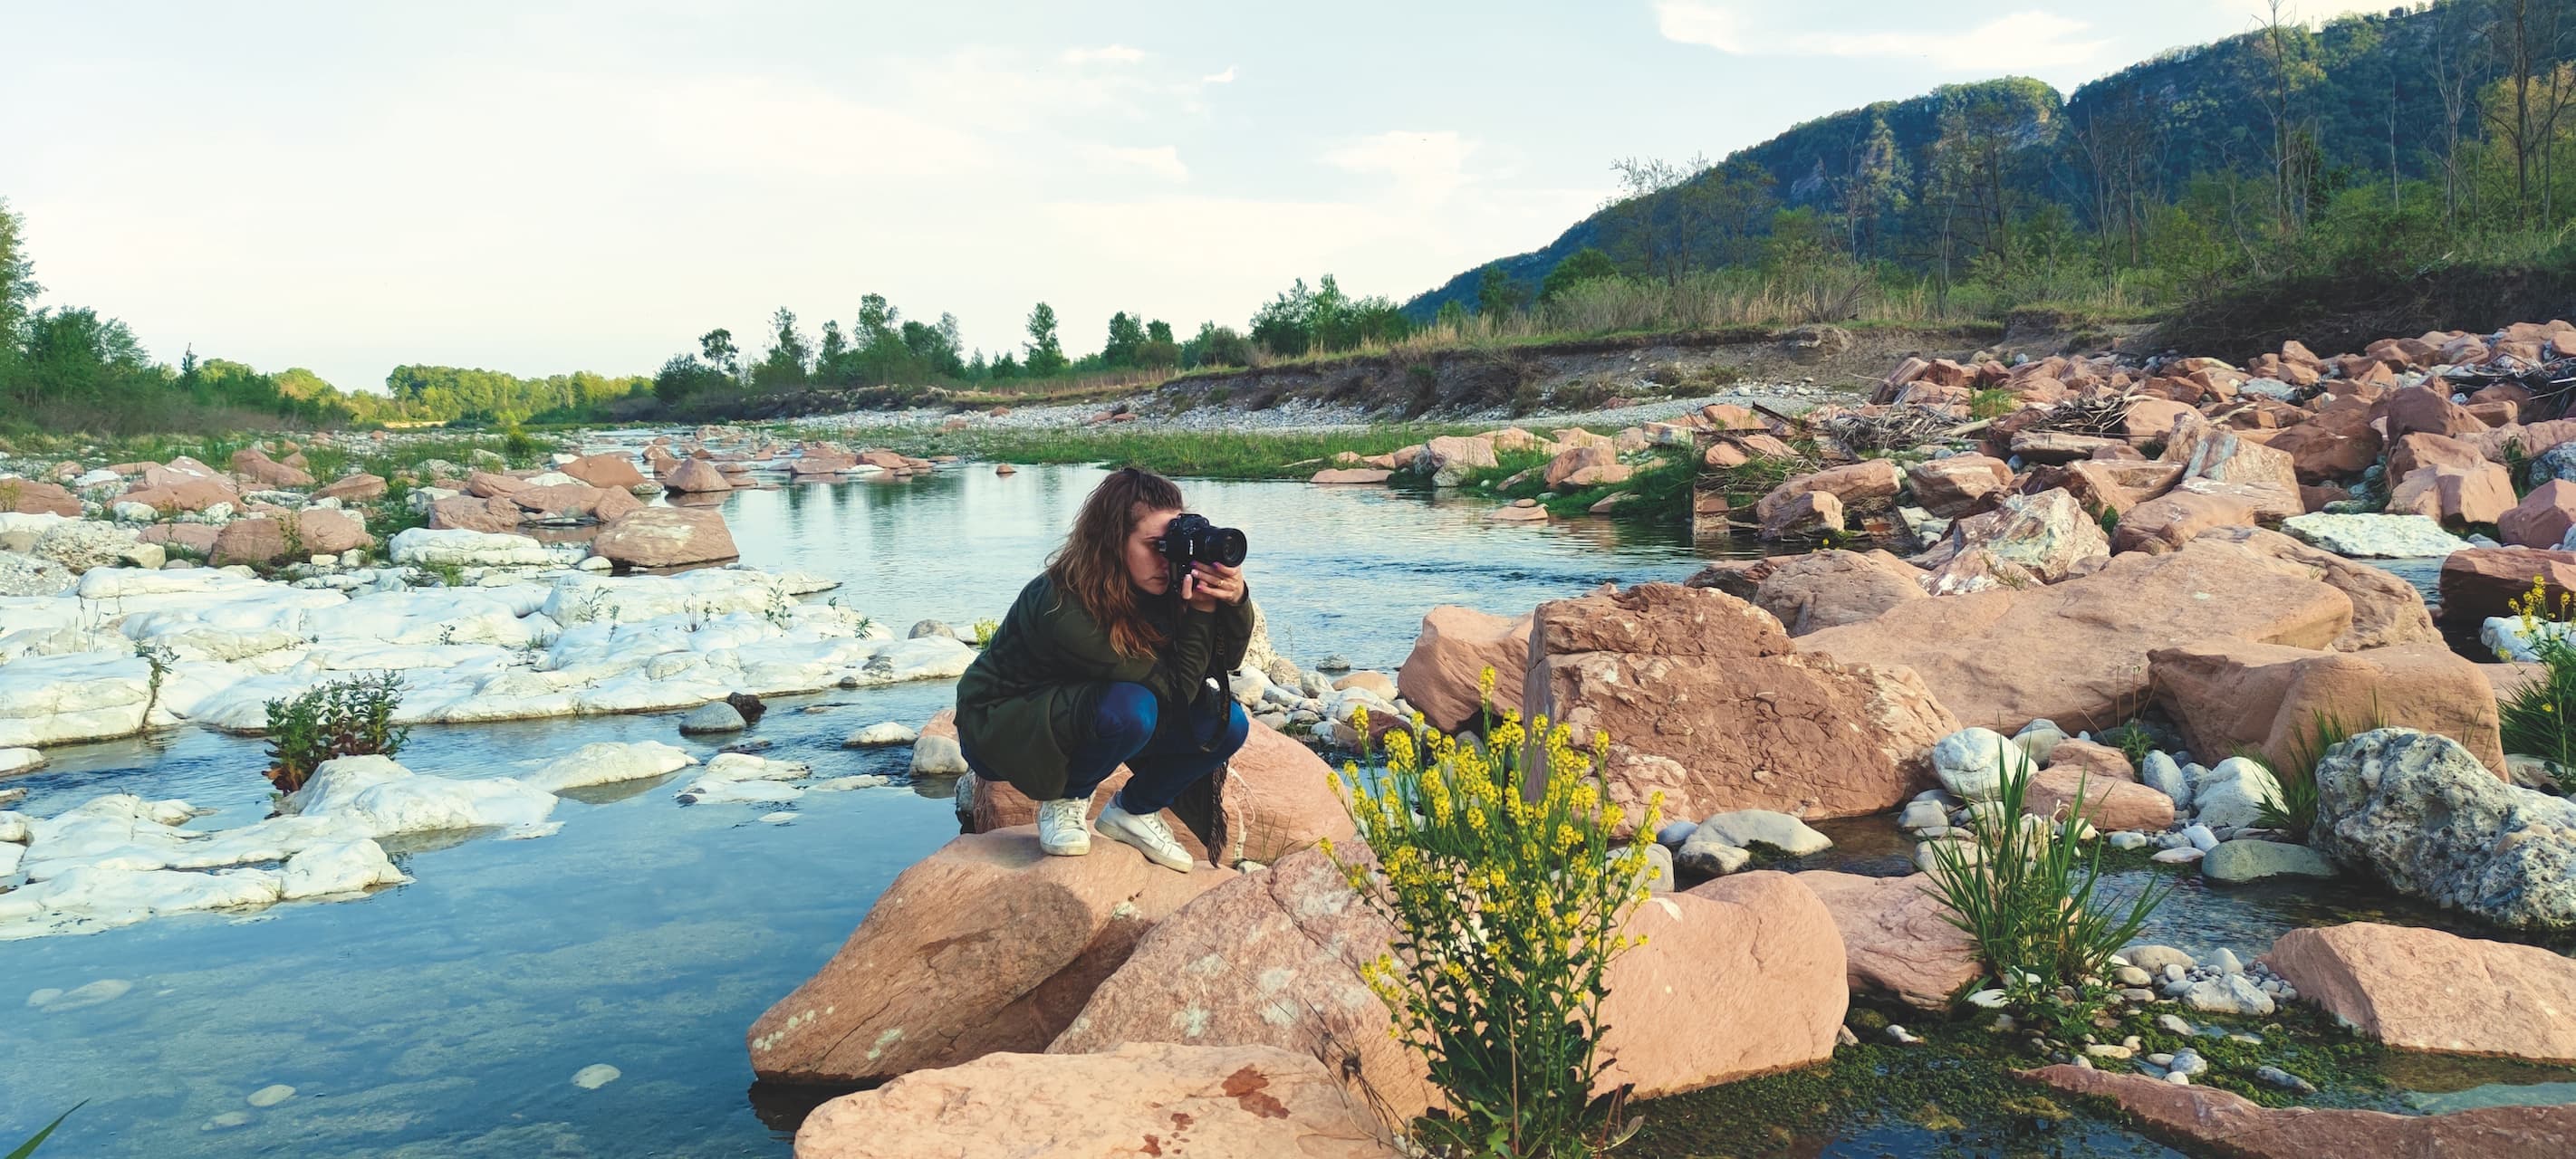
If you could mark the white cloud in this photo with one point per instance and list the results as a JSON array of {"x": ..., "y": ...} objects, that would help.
[
  {"x": 1108, "y": 54},
  {"x": 1219, "y": 78},
  {"x": 1161, "y": 160},
  {"x": 1426, "y": 166},
  {"x": 1997, "y": 46}
]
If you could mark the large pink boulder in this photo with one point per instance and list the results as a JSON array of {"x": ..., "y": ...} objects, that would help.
[
  {"x": 36, "y": 497},
  {"x": 1147, "y": 1098},
  {"x": 2423, "y": 989},
  {"x": 289, "y": 537},
  {"x": 1740, "y": 977},
  {"x": 2234, "y": 695},
  {"x": 2479, "y": 582},
  {"x": 1826, "y": 588},
  {"x": 254, "y": 464},
  {"x": 1952, "y": 487},
  {"x": 2385, "y": 608},
  {"x": 357, "y": 488},
  {"x": 986, "y": 945},
  {"x": 1897, "y": 937},
  {"x": 2224, "y": 1123},
  {"x": 1707, "y": 700},
  {"x": 1865, "y": 481},
  {"x": 1440, "y": 677},
  {"x": 665, "y": 537},
  {"x": 696, "y": 476},
  {"x": 2167, "y": 522},
  {"x": 2454, "y": 495},
  {"x": 2543, "y": 517},
  {"x": 496, "y": 515},
  {"x": 605, "y": 471},
  {"x": 2076, "y": 652},
  {"x": 2108, "y": 803},
  {"x": 1273, "y": 798}
]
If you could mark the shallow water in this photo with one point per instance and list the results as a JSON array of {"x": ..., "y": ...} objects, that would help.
[{"x": 448, "y": 1017}]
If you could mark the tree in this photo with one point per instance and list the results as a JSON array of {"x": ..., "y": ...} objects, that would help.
[
  {"x": 1497, "y": 294},
  {"x": 1126, "y": 338},
  {"x": 1159, "y": 350},
  {"x": 1281, "y": 327},
  {"x": 1046, "y": 352},
  {"x": 789, "y": 360},
  {"x": 1453, "y": 314},
  {"x": 1217, "y": 346},
  {"x": 1677, "y": 217},
  {"x": 832, "y": 356},
  {"x": 1583, "y": 265},
  {"x": 18, "y": 288},
  {"x": 717, "y": 348}
]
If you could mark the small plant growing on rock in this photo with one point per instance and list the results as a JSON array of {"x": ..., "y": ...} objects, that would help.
[
  {"x": 2027, "y": 892},
  {"x": 2535, "y": 719},
  {"x": 984, "y": 630},
  {"x": 2294, "y": 809},
  {"x": 343, "y": 718},
  {"x": 1495, "y": 865}
]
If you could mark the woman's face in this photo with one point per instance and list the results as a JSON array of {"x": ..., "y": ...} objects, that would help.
[{"x": 1146, "y": 567}]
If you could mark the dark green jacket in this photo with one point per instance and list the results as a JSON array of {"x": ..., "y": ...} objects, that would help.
[{"x": 1026, "y": 704}]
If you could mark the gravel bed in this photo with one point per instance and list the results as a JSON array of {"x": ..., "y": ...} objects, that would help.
[{"x": 1299, "y": 416}]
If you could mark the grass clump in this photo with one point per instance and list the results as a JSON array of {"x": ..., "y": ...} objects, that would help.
[
  {"x": 2535, "y": 719},
  {"x": 2027, "y": 892},
  {"x": 342, "y": 718},
  {"x": 1496, "y": 866},
  {"x": 1992, "y": 403}
]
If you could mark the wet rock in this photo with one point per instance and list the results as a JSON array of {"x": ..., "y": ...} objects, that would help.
[
  {"x": 1705, "y": 701},
  {"x": 2231, "y": 796},
  {"x": 696, "y": 477},
  {"x": 2225, "y": 1123},
  {"x": 925, "y": 981},
  {"x": 337, "y": 867},
  {"x": 609, "y": 762},
  {"x": 1142, "y": 1098},
  {"x": 715, "y": 716},
  {"x": 271, "y": 1095},
  {"x": 595, "y": 1076},
  {"x": 1746, "y": 828},
  {"x": 2423, "y": 989},
  {"x": 2248, "y": 860},
  {"x": 1709, "y": 855},
  {"x": 881, "y": 735},
  {"x": 2421, "y": 813},
  {"x": 1971, "y": 762}
]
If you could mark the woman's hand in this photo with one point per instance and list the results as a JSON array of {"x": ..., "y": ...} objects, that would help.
[{"x": 1206, "y": 585}]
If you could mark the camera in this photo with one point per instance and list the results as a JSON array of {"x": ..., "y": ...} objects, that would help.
[{"x": 1192, "y": 539}]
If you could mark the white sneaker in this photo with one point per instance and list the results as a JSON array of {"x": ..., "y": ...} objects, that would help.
[
  {"x": 1060, "y": 828},
  {"x": 1148, "y": 834}
]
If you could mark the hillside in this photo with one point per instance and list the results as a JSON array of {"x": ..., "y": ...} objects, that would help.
[{"x": 1956, "y": 171}]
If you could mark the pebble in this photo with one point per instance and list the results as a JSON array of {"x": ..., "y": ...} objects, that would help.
[
  {"x": 226, "y": 1121},
  {"x": 2184, "y": 855},
  {"x": 2177, "y": 1078},
  {"x": 2188, "y": 1062},
  {"x": 2275, "y": 1076},
  {"x": 2133, "y": 976},
  {"x": 2226, "y": 962},
  {"x": 2201, "y": 837},
  {"x": 1901, "y": 1036},
  {"x": 595, "y": 1076},
  {"x": 1333, "y": 663},
  {"x": 2128, "y": 839},
  {"x": 102, "y": 991},
  {"x": 1990, "y": 999},
  {"x": 2173, "y": 1024},
  {"x": 271, "y": 1095},
  {"x": 2107, "y": 1050},
  {"x": 779, "y": 818}
]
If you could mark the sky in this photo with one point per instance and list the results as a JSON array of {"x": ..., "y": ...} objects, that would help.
[{"x": 541, "y": 188}]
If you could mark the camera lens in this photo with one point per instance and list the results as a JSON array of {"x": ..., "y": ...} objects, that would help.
[{"x": 1226, "y": 545}]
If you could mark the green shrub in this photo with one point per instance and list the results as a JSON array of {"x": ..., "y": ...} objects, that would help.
[
  {"x": 2535, "y": 719},
  {"x": 2293, "y": 810},
  {"x": 984, "y": 630},
  {"x": 1992, "y": 403},
  {"x": 2134, "y": 742},
  {"x": 1496, "y": 867},
  {"x": 2026, "y": 891},
  {"x": 343, "y": 718}
]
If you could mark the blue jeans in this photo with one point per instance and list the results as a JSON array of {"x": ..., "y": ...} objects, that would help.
[{"x": 1166, "y": 754}]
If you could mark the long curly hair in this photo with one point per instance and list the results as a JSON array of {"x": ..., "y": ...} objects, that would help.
[{"x": 1091, "y": 564}]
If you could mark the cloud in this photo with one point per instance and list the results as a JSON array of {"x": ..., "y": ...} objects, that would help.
[
  {"x": 1161, "y": 160},
  {"x": 1987, "y": 48},
  {"x": 1426, "y": 166},
  {"x": 1219, "y": 78},
  {"x": 1110, "y": 54}
]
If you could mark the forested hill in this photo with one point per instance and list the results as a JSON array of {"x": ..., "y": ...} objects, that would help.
[{"x": 1980, "y": 169}]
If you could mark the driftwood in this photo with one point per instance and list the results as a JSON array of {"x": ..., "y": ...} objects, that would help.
[
  {"x": 1895, "y": 428},
  {"x": 2101, "y": 414}
]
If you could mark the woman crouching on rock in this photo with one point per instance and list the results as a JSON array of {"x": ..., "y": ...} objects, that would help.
[{"x": 1102, "y": 662}]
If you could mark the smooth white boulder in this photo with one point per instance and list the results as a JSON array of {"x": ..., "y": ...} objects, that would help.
[
  {"x": 387, "y": 799},
  {"x": 2232, "y": 794},
  {"x": 19, "y": 760},
  {"x": 459, "y": 547},
  {"x": 746, "y": 767},
  {"x": 98, "y": 897},
  {"x": 51, "y": 700},
  {"x": 878, "y": 735},
  {"x": 1970, "y": 762},
  {"x": 608, "y": 762},
  {"x": 338, "y": 867},
  {"x": 2374, "y": 536}
]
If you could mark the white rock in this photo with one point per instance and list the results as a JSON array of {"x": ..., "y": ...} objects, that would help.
[
  {"x": 462, "y": 548},
  {"x": 609, "y": 762},
  {"x": 595, "y": 1076},
  {"x": 2164, "y": 776},
  {"x": 881, "y": 734},
  {"x": 2200, "y": 837},
  {"x": 271, "y": 1095},
  {"x": 19, "y": 760},
  {"x": 746, "y": 767},
  {"x": 721, "y": 792},
  {"x": 2233, "y": 794},
  {"x": 387, "y": 799},
  {"x": 338, "y": 867},
  {"x": 1744, "y": 828},
  {"x": 1969, "y": 761},
  {"x": 937, "y": 756},
  {"x": 844, "y": 784},
  {"x": 51, "y": 700},
  {"x": 2374, "y": 536}
]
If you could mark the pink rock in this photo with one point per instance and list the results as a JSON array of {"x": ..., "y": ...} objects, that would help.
[
  {"x": 2111, "y": 805},
  {"x": 2423, "y": 989},
  {"x": 2542, "y": 518},
  {"x": 1897, "y": 937},
  {"x": 36, "y": 497},
  {"x": 1143, "y": 1098},
  {"x": 1352, "y": 475},
  {"x": 665, "y": 537},
  {"x": 697, "y": 475},
  {"x": 986, "y": 945},
  {"x": 615, "y": 471},
  {"x": 1456, "y": 644},
  {"x": 2220, "y": 1122},
  {"x": 353, "y": 489},
  {"x": 1275, "y": 797}
]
